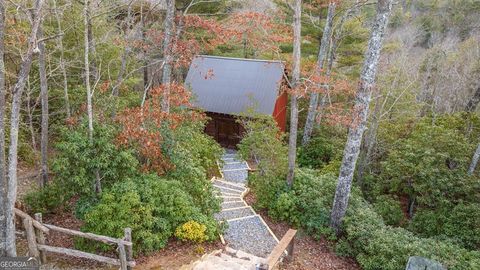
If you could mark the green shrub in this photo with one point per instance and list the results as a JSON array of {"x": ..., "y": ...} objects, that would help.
[
  {"x": 193, "y": 154},
  {"x": 367, "y": 238},
  {"x": 307, "y": 204},
  {"x": 464, "y": 224},
  {"x": 319, "y": 152},
  {"x": 46, "y": 199},
  {"x": 390, "y": 209},
  {"x": 153, "y": 207},
  {"x": 78, "y": 159},
  {"x": 263, "y": 143},
  {"x": 377, "y": 246},
  {"x": 460, "y": 223},
  {"x": 191, "y": 231}
]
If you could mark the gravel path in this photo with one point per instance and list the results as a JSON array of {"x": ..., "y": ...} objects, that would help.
[
  {"x": 235, "y": 213},
  {"x": 228, "y": 205},
  {"x": 246, "y": 230},
  {"x": 239, "y": 177},
  {"x": 228, "y": 191},
  {"x": 228, "y": 185},
  {"x": 232, "y": 199},
  {"x": 250, "y": 235},
  {"x": 235, "y": 166}
]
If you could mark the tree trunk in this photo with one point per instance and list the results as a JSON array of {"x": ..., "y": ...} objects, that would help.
[
  {"x": 86, "y": 20},
  {"x": 322, "y": 54},
  {"x": 167, "y": 54},
  {"x": 369, "y": 141},
  {"x": 91, "y": 48},
  {"x": 87, "y": 46},
  {"x": 473, "y": 102},
  {"x": 126, "y": 52},
  {"x": 14, "y": 126},
  {"x": 292, "y": 144},
  {"x": 145, "y": 58},
  {"x": 334, "y": 43},
  {"x": 63, "y": 69},
  {"x": 3, "y": 168},
  {"x": 123, "y": 65},
  {"x": 355, "y": 133},
  {"x": 44, "y": 102},
  {"x": 474, "y": 162}
]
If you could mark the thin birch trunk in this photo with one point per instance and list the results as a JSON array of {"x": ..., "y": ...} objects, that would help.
[
  {"x": 474, "y": 162},
  {"x": 334, "y": 43},
  {"x": 91, "y": 48},
  {"x": 30, "y": 115},
  {"x": 44, "y": 102},
  {"x": 322, "y": 54},
  {"x": 126, "y": 51},
  {"x": 87, "y": 45},
  {"x": 63, "y": 69},
  {"x": 292, "y": 144},
  {"x": 123, "y": 65},
  {"x": 3, "y": 168},
  {"x": 86, "y": 20},
  {"x": 146, "y": 85},
  {"x": 167, "y": 55},
  {"x": 14, "y": 128},
  {"x": 355, "y": 133}
]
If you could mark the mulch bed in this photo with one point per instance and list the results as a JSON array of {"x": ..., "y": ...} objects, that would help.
[{"x": 309, "y": 254}]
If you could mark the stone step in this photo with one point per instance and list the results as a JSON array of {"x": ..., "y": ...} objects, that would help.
[
  {"x": 230, "y": 155},
  {"x": 231, "y": 159},
  {"x": 220, "y": 194},
  {"x": 234, "y": 204},
  {"x": 235, "y": 213},
  {"x": 234, "y": 162},
  {"x": 230, "y": 198},
  {"x": 230, "y": 185},
  {"x": 237, "y": 177},
  {"x": 235, "y": 166},
  {"x": 226, "y": 190},
  {"x": 250, "y": 234}
]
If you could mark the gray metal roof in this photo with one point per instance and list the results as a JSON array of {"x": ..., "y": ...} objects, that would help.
[{"x": 234, "y": 85}]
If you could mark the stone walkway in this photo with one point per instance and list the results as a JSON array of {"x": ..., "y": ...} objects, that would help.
[{"x": 246, "y": 231}]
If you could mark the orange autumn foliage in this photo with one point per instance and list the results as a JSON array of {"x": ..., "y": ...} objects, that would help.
[{"x": 144, "y": 127}]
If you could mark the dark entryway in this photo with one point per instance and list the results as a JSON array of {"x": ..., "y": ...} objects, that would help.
[{"x": 224, "y": 129}]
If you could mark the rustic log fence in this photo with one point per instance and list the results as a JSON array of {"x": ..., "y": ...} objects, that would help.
[{"x": 36, "y": 231}]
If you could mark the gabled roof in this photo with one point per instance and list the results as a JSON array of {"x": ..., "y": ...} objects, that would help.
[{"x": 234, "y": 85}]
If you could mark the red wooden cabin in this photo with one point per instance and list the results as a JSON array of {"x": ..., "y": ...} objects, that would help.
[{"x": 227, "y": 87}]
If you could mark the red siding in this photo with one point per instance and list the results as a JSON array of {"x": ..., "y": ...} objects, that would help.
[{"x": 280, "y": 111}]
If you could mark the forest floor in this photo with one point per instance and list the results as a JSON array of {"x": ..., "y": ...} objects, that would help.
[{"x": 308, "y": 253}]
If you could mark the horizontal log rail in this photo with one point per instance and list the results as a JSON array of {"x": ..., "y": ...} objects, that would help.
[
  {"x": 35, "y": 231},
  {"x": 91, "y": 236},
  {"x": 35, "y": 223},
  {"x": 285, "y": 244},
  {"x": 82, "y": 254}
]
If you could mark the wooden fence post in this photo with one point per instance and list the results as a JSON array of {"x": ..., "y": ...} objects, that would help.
[
  {"x": 30, "y": 233},
  {"x": 290, "y": 250},
  {"x": 40, "y": 238},
  {"x": 129, "y": 250},
  {"x": 122, "y": 256}
]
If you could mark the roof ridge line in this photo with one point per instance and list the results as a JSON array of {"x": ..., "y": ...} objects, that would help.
[{"x": 240, "y": 59}]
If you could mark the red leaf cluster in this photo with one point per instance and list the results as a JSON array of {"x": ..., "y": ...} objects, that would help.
[{"x": 142, "y": 127}]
